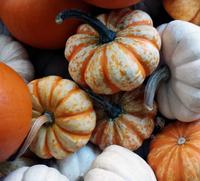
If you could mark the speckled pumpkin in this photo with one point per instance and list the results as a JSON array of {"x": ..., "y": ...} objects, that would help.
[
  {"x": 70, "y": 114},
  {"x": 127, "y": 124},
  {"x": 174, "y": 153},
  {"x": 113, "y": 54}
]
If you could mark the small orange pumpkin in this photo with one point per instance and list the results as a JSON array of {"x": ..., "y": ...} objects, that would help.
[
  {"x": 15, "y": 111},
  {"x": 69, "y": 114},
  {"x": 174, "y": 153},
  {"x": 115, "y": 53},
  {"x": 123, "y": 120},
  {"x": 188, "y": 10}
]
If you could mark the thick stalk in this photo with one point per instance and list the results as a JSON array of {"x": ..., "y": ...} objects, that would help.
[
  {"x": 162, "y": 74},
  {"x": 105, "y": 35},
  {"x": 46, "y": 118},
  {"x": 112, "y": 110}
]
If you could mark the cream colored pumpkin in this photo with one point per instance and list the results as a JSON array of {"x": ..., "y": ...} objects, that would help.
[
  {"x": 76, "y": 165},
  {"x": 13, "y": 54},
  {"x": 179, "y": 97},
  {"x": 36, "y": 173},
  {"x": 119, "y": 164}
]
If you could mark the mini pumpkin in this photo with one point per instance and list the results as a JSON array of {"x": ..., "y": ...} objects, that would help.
[
  {"x": 112, "y": 4},
  {"x": 174, "y": 153},
  {"x": 69, "y": 116},
  {"x": 119, "y": 164},
  {"x": 13, "y": 54},
  {"x": 75, "y": 166},
  {"x": 115, "y": 52},
  {"x": 178, "y": 81},
  {"x": 123, "y": 120},
  {"x": 36, "y": 172},
  {"x": 188, "y": 10},
  {"x": 15, "y": 111}
]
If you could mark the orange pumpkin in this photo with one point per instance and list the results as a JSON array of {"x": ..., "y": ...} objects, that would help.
[
  {"x": 188, "y": 10},
  {"x": 174, "y": 153},
  {"x": 32, "y": 21},
  {"x": 123, "y": 120},
  {"x": 69, "y": 114},
  {"x": 112, "y": 4},
  {"x": 119, "y": 56},
  {"x": 15, "y": 111}
]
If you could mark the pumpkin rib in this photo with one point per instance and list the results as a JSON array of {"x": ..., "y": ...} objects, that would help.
[
  {"x": 104, "y": 65},
  {"x": 76, "y": 89},
  {"x": 195, "y": 16},
  {"x": 53, "y": 86},
  {"x": 36, "y": 91},
  {"x": 143, "y": 22},
  {"x": 137, "y": 56},
  {"x": 121, "y": 17},
  {"x": 61, "y": 145}
]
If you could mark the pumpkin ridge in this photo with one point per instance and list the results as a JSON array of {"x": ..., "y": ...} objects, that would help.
[
  {"x": 71, "y": 133},
  {"x": 122, "y": 16},
  {"x": 53, "y": 86},
  {"x": 104, "y": 65},
  {"x": 37, "y": 92},
  {"x": 60, "y": 144},
  {"x": 152, "y": 42},
  {"x": 84, "y": 66},
  {"x": 195, "y": 16},
  {"x": 69, "y": 93},
  {"x": 89, "y": 110},
  {"x": 136, "y": 60},
  {"x": 137, "y": 56},
  {"x": 142, "y": 22}
]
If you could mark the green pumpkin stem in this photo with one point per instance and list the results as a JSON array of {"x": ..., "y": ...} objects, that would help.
[
  {"x": 111, "y": 109},
  {"x": 162, "y": 74},
  {"x": 105, "y": 35}
]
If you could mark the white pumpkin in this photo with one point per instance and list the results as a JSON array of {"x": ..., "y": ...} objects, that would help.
[
  {"x": 13, "y": 54},
  {"x": 36, "y": 173},
  {"x": 117, "y": 163},
  {"x": 179, "y": 96},
  {"x": 76, "y": 165}
]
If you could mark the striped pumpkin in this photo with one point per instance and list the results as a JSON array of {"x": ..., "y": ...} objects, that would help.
[
  {"x": 174, "y": 153},
  {"x": 70, "y": 114},
  {"x": 116, "y": 57},
  {"x": 128, "y": 127}
]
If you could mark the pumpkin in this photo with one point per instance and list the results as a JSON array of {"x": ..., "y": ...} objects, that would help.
[
  {"x": 34, "y": 23},
  {"x": 122, "y": 119},
  {"x": 15, "y": 111},
  {"x": 112, "y": 4},
  {"x": 188, "y": 10},
  {"x": 178, "y": 81},
  {"x": 3, "y": 29},
  {"x": 13, "y": 54},
  {"x": 174, "y": 153},
  {"x": 119, "y": 164},
  {"x": 75, "y": 166},
  {"x": 36, "y": 172},
  {"x": 69, "y": 116},
  {"x": 117, "y": 58}
]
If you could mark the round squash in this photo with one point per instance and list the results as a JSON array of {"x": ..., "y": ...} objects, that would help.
[
  {"x": 123, "y": 120},
  {"x": 112, "y": 4},
  {"x": 188, "y": 10},
  {"x": 13, "y": 54},
  {"x": 75, "y": 166},
  {"x": 115, "y": 53},
  {"x": 34, "y": 24},
  {"x": 119, "y": 164},
  {"x": 178, "y": 82},
  {"x": 36, "y": 172},
  {"x": 174, "y": 153},
  {"x": 69, "y": 114},
  {"x": 15, "y": 111}
]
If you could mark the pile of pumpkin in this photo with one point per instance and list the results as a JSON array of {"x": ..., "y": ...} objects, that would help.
[{"x": 127, "y": 88}]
